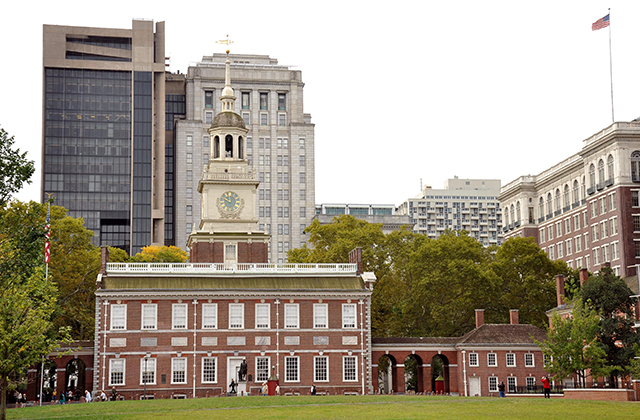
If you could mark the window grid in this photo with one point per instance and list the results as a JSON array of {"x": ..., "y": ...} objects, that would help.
[
  {"x": 511, "y": 359},
  {"x": 210, "y": 315},
  {"x": 209, "y": 370},
  {"x": 320, "y": 312},
  {"x": 291, "y": 315},
  {"x": 262, "y": 369},
  {"x": 262, "y": 315},
  {"x": 291, "y": 372},
  {"x": 473, "y": 359},
  {"x": 349, "y": 369},
  {"x": 348, "y": 315},
  {"x": 236, "y": 315},
  {"x": 149, "y": 316},
  {"x": 529, "y": 360},
  {"x": 531, "y": 383},
  {"x": 179, "y": 316},
  {"x": 179, "y": 370},
  {"x": 493, "y": 384},
  {"x": 147, "y": 371},
  {"x": 119, "y": 317},
  {"x": 321, "y": 369},
  {"x": 492, "y": 359},
  {"x": 116, "y": 371},
  {"x": 512, "y": 383}
]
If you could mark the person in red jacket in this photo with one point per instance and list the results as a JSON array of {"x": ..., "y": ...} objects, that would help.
[{"x": 546, "y": 386}]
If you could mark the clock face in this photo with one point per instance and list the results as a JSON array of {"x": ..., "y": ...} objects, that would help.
[{"x": 230, "y": 201}]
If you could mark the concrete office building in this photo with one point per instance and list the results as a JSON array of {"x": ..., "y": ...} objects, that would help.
[
  {"x": 584, "y": 210},
  {"x": 103, "y": 132},
  {"x": 464, "y": 204},
  {"x": 384, "y": 214},
  {"x": 279, "y": 145}
]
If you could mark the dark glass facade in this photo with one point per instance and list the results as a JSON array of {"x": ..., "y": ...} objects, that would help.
[
  {"x": 142, "y": 159},
  {"x": 175, "y": 107},
  {"x": 87, "y": 142}
]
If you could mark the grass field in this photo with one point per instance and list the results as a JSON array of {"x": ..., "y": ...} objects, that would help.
[{"x": 338, "y": 407}]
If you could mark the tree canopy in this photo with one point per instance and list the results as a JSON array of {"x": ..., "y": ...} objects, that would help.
[
  {"x": 154, "y": 253},
  {"x": 15, "y": 168},
  {"x": 433, "y": 286}
]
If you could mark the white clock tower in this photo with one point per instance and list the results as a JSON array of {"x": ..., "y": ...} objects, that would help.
[{"x": 228, "y": 231}]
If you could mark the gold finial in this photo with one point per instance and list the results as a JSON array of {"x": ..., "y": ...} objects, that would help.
[{"x": 225, "y": 41}]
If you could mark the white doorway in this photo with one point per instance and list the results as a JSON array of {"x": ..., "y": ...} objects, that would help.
[
  {"x": 233, "y": 369},
  {"x": 474, "y": 386}
]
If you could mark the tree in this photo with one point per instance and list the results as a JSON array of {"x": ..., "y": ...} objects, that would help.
[
  {"x": 611, "y": 298},
  {"x": 27, "y": 300},
  {"x": 527, "y": 282},
  {"x": 572, "y": 345},
  {"x": 153, "y": 253},
  {"x": 15, "y": 169}
]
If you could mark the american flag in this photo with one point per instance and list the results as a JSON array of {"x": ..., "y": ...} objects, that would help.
[
  {"x": 600, "y": 23},
  {"x": 47, "y": 233}
]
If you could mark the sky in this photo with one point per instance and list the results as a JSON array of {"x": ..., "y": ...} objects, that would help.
[{"x": 402, "y": 93}]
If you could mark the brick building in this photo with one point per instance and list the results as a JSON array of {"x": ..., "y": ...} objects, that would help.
[
  {"x": 472, "y": 365},
  {"x": 586, "y": 209},
  {"x": 188, "y": 330}
]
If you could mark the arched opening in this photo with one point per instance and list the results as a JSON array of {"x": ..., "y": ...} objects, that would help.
[
  {"x": 518, "y": 215},
  {"x": 576, "y": 197},
  {"x": 440, "y": 374},
  {"x": 557, "y": 199},
  {"x": 592, "y": 176},
  {"x": 48, "y": 376},
  {"x": 216, "y": 147},
  {"x": 412, "y": 374},
  {"x": 386, "y": 367},
  {"x": 240, "y": 147},
  {"x": 541, "y": 209},
  {"x": 635, "y": 166},
  {"x": 228, "y": 145},
  {"x": 601, "y": 173},
  {"x": 549, "y": 205},
  {"x": 513, "y": 215},
  {"x": 610, "y": 168},
  {"x": 566, "y": 195},
  {"x": 74, "y": 378}
]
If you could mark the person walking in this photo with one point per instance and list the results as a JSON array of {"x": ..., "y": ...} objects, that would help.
[
  {"x": 546, "y": 387},
  {"x": 87, "y": 396}
]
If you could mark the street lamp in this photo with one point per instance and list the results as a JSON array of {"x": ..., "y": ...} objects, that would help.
[{"x": 145, "y": 375}]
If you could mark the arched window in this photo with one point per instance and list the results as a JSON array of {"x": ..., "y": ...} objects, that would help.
[
  {"x": 240, "y": 147},
  {"x": 635, "y": 166},
  {"x": 592, "y": 176},
  {"x": 610, "y": 168},
  {"x": 228, "y": 145},
  {"x": 557, "y": 199},
  {"x": 566, "y": 195},
  {"x": 584, "y": 188},
  {"x": 576, "y": 197},
  {"x": 506, "y": 216},
  {"x": 549, "y": 204},
  {"x": 513, "y": 215},
  {"x": 541, "y": 207},
  {"x": 518, "y": 211},
  {"x": 216, "y": 147},
  {"x": 601, "y": 173}
]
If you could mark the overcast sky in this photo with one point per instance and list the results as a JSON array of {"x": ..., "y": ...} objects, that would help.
[{"x": 399, "y": 91}]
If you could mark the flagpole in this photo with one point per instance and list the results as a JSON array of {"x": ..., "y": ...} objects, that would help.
[{"x": 613, "y": 120}]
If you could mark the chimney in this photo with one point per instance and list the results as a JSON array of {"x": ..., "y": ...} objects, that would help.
[
  {"x": 513, "y": 317},
  {"x": 560, "y": 289},
  {"x": 584, "y": 276},
  {"x": 104, "y": 259},
  {"x": 479, "y": 317},
  {"x": 355, "y": 257}
]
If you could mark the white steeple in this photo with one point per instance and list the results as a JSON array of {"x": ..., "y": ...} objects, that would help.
[{"x": 228, "y": 98}]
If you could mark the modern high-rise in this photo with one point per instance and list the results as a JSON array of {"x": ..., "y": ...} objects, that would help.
[
  {"x": 585, "y": 210},
  {"x": 464, "y": 204},
  {"x": 104, "y": 129},
  {"x": 384, "y": 214},
  {"x": 279, "y": 145}
]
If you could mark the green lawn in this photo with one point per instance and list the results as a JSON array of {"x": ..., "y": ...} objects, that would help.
[{"x": 338, "y": 407}]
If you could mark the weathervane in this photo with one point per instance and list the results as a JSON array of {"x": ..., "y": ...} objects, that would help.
[{"x": 226, "y": 42}]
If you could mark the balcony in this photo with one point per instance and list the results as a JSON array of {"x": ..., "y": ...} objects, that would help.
[
  {"x": 574, "y": 205},
  {"x": 600, "y": 186},
  {"x": 591, "y": 190},
  {"x": 608, "y": 182},
  {"x": 549, "y": 216},
  {"x": 517, "y": 224},
  {"x": 566, "y": 209},
  {"x": 541, "y": 219},
  {"x": 557, "y": 213}
]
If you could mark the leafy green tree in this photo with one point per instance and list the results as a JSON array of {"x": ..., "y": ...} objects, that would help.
[
  {"x": 572, "y": 345},
  {"x": 15, "y": 168},
  {"x": 526, "y": 282},
  {"x": 610, "y": 296},
  {"x": 153, "y": 253},
  {"x": 27, "y": 300}
]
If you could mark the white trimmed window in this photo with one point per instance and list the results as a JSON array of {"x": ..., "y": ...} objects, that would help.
[
  {"x": 512, "y": 384},
  {"x": 149, "y": 316},
  {"x": 210, "y": 315},
  {"x": 236, "y": 315},
  {"x": 209, "y": 365},
  {"x": 473, "y": 359},
  {"x": 531, "y": 383},
  {"x": 119, "y": 317},
  {"x": 492, "y": 359},
  {"x": 321, "y": 369},
  {"x": 116, "y": 371},
  {"x": 292, "y": 315},
  {"x": 178, "y": 370},
  {"x": 262, "y": 369},
  {"x": 349, "y": 369},
  {"x": 148, "y": 371},
  {"x": 179, "y": 316},
  {"x": 511, "y": 359},
  {"x": 263, "y": 312},
  {"x": 320, "y": 315},
  {"x": 493, "y": 384},
  {"x": 292, "y": 369},
  {"x": 348, "y": 315},
  {"x": 529, "y": 360}
]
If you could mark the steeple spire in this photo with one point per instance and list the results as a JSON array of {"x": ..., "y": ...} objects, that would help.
[{"x": 228, "y": 97}]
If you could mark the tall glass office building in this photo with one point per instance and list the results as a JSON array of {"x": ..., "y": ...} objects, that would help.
[{"x": 104, "y": 130}]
